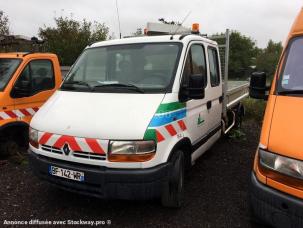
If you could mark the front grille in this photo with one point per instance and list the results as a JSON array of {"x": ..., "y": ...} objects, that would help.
[
  {"x": 88, "y": 155},
  {"x": 79, "y": 154},
  {"x": 51, "y": 149}
]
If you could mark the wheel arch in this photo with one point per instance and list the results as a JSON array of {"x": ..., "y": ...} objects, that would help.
[
  {"x": 14, "y": 124},
  {"x": 17, "y": 131},
  {"x": 186, "y": 146}
]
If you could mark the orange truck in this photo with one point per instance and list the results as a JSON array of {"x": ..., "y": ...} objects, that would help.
[
  {"x": 27, "y": 80},
  {"x": 277, "y": 177}
]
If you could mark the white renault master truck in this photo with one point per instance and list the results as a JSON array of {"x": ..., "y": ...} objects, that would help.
[{"x": 131, "y": 115}]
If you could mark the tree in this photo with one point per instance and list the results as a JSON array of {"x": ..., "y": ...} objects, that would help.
[
  {"x": 242, "y": 54},
  {"x": 4, "y": 24},
  {"x": 268, "y": 58},
  {"x": 69, "y": 37}
]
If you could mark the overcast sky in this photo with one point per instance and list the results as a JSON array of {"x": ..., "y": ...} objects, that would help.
[{"x": 260, "y": 19}]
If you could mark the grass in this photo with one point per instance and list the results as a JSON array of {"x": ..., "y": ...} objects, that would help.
[
  {"x": 237, "y": 134},
  {"x": 254, "y": 109}
]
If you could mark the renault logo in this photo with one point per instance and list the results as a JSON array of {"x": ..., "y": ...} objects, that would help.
[{"x": 66, "y": 149}]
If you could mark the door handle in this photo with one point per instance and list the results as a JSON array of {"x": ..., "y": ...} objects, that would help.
[{"x": 208, "y": 105}]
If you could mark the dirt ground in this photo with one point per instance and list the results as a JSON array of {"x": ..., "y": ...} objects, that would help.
[{"x": 216, "y": 193}]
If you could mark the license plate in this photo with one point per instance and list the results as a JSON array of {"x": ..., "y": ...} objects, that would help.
[{"x": 66, "y": 173}]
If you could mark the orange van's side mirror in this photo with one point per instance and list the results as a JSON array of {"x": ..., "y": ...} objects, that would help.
[{"x": 257, "y": 87}]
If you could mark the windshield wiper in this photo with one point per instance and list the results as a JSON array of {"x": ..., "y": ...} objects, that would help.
[
  {"x": 127, "y": 86},
  {"x": 82, "y": 83},
  {"x": 285, "y": 92}
]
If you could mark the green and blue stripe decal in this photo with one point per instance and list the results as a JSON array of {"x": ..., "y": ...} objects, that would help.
[
  {"x": 166, "y": 118},
  {"x": 165, "y": 115}
]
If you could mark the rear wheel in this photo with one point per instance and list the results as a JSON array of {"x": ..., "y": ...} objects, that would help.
[
  {"x": 173, "y": 191},
  {"x": 240, "y": 112}
]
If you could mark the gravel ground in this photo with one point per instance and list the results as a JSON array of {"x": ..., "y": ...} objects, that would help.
[{"x": 215, "y": 196}]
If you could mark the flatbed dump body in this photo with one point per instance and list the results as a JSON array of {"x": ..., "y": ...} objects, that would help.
[{"x": 236, "y": 91}]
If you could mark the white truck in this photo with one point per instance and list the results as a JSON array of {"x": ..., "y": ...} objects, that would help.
[{"x": 132, "y": 114}]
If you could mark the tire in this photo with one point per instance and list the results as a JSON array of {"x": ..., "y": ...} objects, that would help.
[
  {"x": 239, "y": 119},
  {"x": 8, "y": 148},
  {"x": 253, "y": 218},
  {"x": 173, "y": 190},
  {"x": 240, "y": 113}
]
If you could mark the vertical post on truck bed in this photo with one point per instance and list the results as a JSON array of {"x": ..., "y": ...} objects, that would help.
[{"x": 225, "y": 84}]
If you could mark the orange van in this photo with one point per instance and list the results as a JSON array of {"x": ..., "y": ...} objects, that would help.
[
  {"x": 277, "y": 177},
  {"x": 27, "y": 80}
]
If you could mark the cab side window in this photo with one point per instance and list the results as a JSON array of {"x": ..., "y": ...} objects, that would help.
[
  {"x": 42, "y": 75},
  {"x": 213, "y": 67},
  {"x": 25, "y": 76},
  {"x": 195, "y": 63},
  {"x": 187, "y": 70},
  {"x": 38, "y": 75}
]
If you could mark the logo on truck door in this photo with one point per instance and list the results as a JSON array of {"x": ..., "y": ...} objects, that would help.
[{"x": 200, "y": 120}]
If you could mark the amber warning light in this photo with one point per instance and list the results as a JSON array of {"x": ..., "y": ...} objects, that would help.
[{"x": 195, "y": 28}]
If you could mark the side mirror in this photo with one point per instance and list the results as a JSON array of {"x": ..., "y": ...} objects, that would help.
[
  {"x": 21, "y": 89},
  {"x": 194, "y": 88},
  {"x": 257, "y": 87}
]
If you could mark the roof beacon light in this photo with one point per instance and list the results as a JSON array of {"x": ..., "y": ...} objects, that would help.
[{"x": 195, "y": 28}]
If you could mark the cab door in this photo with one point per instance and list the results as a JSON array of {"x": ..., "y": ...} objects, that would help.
[
  {"x": 215, "y": 90},
  {"x": 34, "y": 86},
  {"x": 197, "y": 116}
]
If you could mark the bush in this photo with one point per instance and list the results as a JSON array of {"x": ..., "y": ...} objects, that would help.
[{"x": 254, "y": 109}]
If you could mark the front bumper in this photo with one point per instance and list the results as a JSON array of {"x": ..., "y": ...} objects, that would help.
[
  {"x": 103, "y": 182},
  {"x": 274, "y": 207}
]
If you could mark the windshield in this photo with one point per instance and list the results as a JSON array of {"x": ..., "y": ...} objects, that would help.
[
  {"x": 7, "y": 69},
  {"x": 291, "y": 77},
  {"x": 125, "y": 68}
]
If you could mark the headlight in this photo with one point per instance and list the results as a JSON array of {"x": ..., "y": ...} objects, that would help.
[
  {"x": 281, "y": 164},
  {"x": 33, "y": 137},
  {"x": 131, "y": 151}
]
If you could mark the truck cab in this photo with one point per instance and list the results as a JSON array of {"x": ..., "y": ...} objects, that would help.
[
  {"x": 27, "y": 80},
  {"x": 130, "y": 117},
  {"x": 277, "y": 176}
]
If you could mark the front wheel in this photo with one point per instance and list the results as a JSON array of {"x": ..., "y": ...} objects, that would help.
[
  {"x": 8, "y": 148},
  {"x": 173, "y": 191}
]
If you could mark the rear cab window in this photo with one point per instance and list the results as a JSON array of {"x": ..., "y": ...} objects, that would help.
[{"x": 214, "y": 71}]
